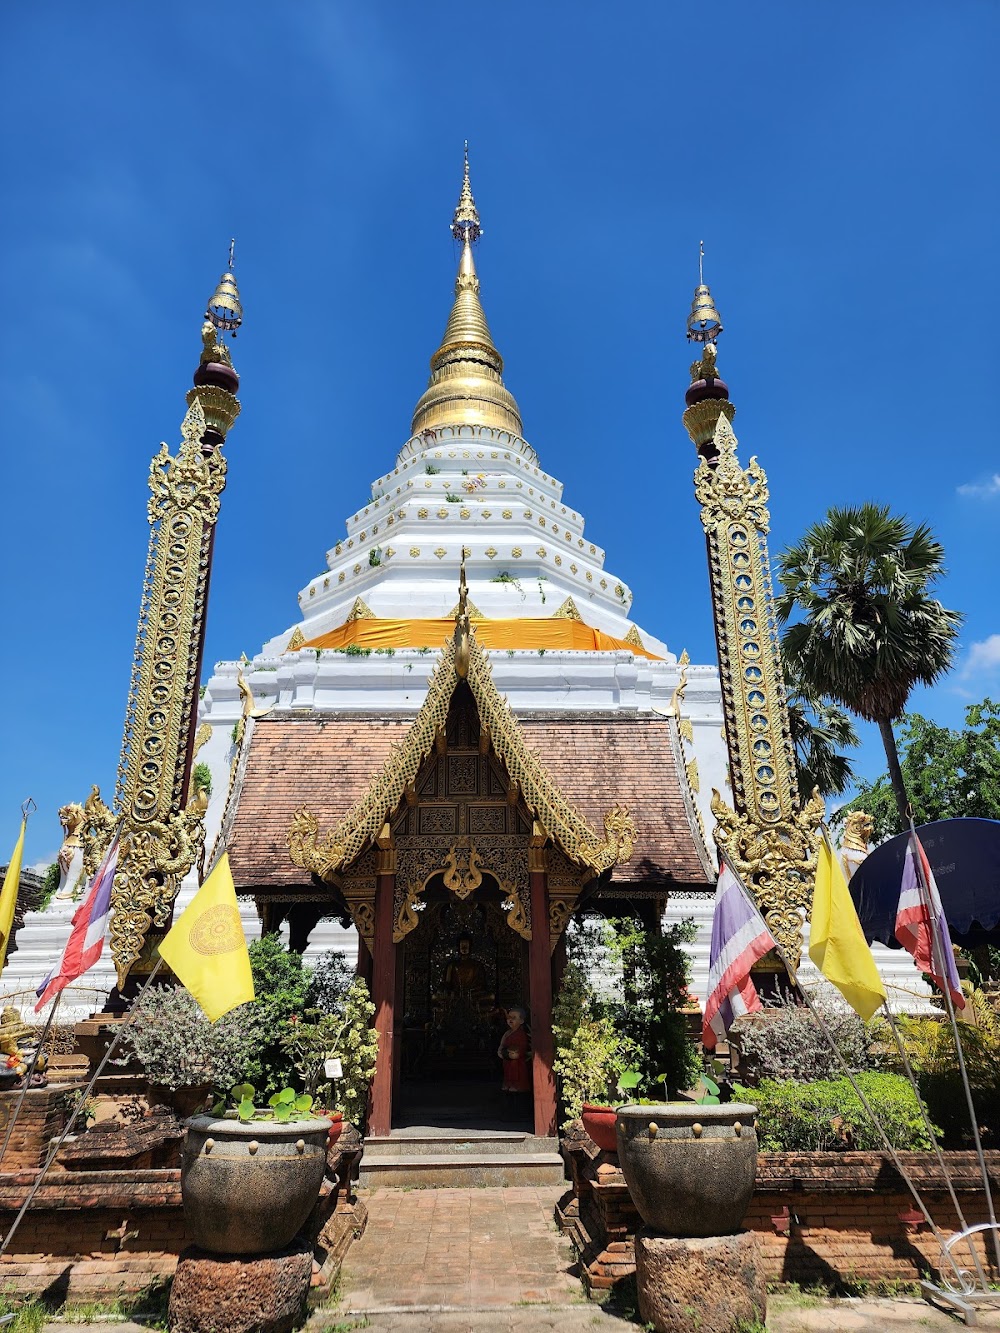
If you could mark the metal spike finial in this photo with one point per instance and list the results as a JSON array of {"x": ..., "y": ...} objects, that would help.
[
  {"x": 462, "y": 627},
  {"x": 465, "y": 225},
  {"x": 704, "y": 324},
  {"x": 224, "y": 308}
]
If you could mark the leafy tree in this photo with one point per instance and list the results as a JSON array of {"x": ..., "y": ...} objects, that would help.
[
  {"x": 281, "y": 983},
  {"x": 948, "y": 773},
  {"x": 869, "y": 631},
  {"x": 331, "y": 979},
  {"x": 820, "y": 731}
]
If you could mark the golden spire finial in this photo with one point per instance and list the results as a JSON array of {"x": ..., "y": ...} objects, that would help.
[
  {"x": 465, "y": 225},
  {"x": 704, "y": 322},
  {"x": 466, "y": 388},
  {"x": 224, "y": 309}
]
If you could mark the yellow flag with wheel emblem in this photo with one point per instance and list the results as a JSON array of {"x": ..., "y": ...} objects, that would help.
[
  {"x": 837, "y": 944},
  {"x": 207, "y": 949}
]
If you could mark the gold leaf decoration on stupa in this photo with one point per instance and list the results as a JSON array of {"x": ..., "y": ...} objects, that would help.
[
  {"x": 360, "y": 611},
  {"x": 296, "y": 641},
  {"x": 568, "y": 611},
  {"x": 633, "y": 637}
]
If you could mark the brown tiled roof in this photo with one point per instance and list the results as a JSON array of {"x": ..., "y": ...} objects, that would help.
[
  {"x": 327, "y": 763},
  {"x": 627, "y": 761}
]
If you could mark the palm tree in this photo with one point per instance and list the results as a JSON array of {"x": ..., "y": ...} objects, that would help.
[
  {"x": 868, "y": 630},
  {"x": 820, "y": 731}
]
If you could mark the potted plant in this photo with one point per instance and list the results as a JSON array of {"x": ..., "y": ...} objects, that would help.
[
  {"x": 600, "y": 1120},
  {"x": 250, "y": 1176},
  {"x": 592, "y": 1057},
  {"x": 690, "y": 1166},
  {"x": 334, "y": 1055},
  {"x": 184, "y": 1056}
]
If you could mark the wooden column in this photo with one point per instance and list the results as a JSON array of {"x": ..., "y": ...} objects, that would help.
[
  {"x": 540, "y": 982},
  {"x": 364, "y": 963},
  {"x": 383, "y": 987}
]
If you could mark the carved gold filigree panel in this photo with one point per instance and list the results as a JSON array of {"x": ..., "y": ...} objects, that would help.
[
  {"x": 161, "y": 838},
  {"x": 735, "y": 517},
  {"x": 565, "y": 825}
]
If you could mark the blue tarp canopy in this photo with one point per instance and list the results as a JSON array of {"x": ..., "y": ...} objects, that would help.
[{"x": 965, "y": 857}]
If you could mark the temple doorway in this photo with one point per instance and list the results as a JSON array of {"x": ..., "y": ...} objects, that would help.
[{"x": 462, "y": 969}]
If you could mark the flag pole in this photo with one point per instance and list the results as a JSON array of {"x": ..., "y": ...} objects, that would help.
[
  {"x": 901, "y": 1048},
  {"x": 937, "y": 945},
  {"x": 890, "y": 1148},
  {"x": 935, "y": 1145},
  {"x": 56, "y": 1147},
  {"x": 27, "y": 1077}
]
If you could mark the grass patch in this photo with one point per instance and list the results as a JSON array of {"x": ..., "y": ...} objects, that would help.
[{"x": 31, "y": 1314}]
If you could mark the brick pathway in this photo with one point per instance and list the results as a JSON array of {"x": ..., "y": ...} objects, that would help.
[{"x": 460, "y": 1248}]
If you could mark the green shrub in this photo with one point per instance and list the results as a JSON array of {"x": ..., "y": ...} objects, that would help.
[
  {"x": 281, "y": 983},
  {"x": 202, "y": 778},
  {"x": 930, "y": 1048},
  {"x": 656, "y": 974},
  {"x": 827, "y": 1115},
  {"x": 331, "y": 978},
  {"x": 177, "y": 1046},
  {"x": 784, "y": 1040}
]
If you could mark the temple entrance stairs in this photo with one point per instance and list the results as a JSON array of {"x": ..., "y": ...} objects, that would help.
[{"x": 430, "y": 1157}]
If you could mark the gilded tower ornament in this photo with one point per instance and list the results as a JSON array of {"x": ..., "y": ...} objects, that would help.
[
  {"x": 161, "y": 832},
  {"x": 466, "y": 385},
  {"x": 770, "y": 835}
]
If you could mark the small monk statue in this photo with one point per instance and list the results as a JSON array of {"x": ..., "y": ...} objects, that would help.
[{"x": 513, "y": 1051}]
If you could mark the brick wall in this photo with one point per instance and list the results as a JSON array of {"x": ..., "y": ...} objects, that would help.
[
  {"x": 831, "y": 1218},
  {"x": 42, "y": 1117},
  {"x": 91, "y": 1233}
]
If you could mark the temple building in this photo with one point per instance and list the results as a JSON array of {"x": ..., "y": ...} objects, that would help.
[
  {"x": 464, "y": 736},
  {"x": 461, "y": 741}
]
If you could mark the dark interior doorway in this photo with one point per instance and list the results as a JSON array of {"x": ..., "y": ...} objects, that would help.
[{"x": 462, "y": 969}]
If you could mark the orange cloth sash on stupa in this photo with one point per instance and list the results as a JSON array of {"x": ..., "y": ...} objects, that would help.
[{"x": 524, "y": 634}]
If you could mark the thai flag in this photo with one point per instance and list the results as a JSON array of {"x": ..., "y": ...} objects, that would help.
[
  {"x": 86, "y": 939},
  {"x": 739, "y": 938},
  {"x": 917, "y": 923}
]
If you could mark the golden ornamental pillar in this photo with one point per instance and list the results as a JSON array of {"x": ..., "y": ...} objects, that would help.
[
  {"x": 159, "y": 820},
  {"x": 768, "y": 834}
]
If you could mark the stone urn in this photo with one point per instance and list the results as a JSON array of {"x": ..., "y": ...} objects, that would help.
[
  {"x": 690, "y": 1168},
  {"x": 248, "y": 1186}
]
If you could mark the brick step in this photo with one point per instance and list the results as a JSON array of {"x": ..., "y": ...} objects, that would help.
[
  {"x": 463, "y": 1145},
  {"x": 448, "y": 1171}
]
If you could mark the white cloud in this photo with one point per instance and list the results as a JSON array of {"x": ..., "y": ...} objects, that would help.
[
  {"x": 981, "y": 490},
  {"x": 983, "y": 658}
]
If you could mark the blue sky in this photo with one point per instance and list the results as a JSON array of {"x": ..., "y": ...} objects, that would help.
[{"x": 839, "y": 161}]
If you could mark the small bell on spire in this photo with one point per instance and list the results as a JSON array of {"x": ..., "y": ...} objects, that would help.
[
  {"x": 224, "y": 308},
  {"x": 704, "y": 322},
  {"x": 465, "y": 225}
]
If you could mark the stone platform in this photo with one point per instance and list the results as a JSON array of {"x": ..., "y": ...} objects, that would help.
[
  {"x": 263, "y": 1293},
  {"x": 714, "y": 1284}
]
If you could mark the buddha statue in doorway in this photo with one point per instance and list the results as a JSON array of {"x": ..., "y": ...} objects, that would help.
[{"x": 465, "y": 976}]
